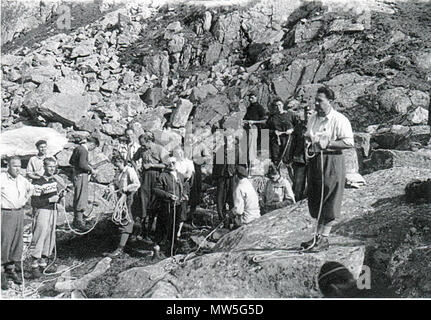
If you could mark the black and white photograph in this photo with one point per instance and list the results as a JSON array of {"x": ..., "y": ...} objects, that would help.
[{"x": 215, "y": 156}]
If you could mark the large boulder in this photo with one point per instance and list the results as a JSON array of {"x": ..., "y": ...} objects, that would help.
[
  {"x": 181, "y": 113},
  {"x": 395, "y": 100},
  {"x": 21, "y": 142},
  {"x": 386, "y": 159},
  {"x": 65, "y": 108},
  {"x": 237, "y": 268},
  {"x": 212, "y": 110}
]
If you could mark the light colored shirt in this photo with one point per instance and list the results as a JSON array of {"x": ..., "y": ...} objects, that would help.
[
  {"x": 185, "y": 167},
  {"x": 127, "y": 180},
  {"x": 278, "y": 191},
  {"x": 334, "y": 125},
  {"x": 127, "y": 151},
  {"x": 35, "y": 165},
  {"x": 15, "y": 192},
  {"x": 246, "y": 202}
]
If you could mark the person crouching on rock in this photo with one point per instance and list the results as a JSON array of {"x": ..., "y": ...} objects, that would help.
[
  {"x": 44, "y": 201},
  {"x": 170, "y": 190},
  {"x": 245, "y": 199},
  {"x": 278, "y": 192},
  {"x": 126, "y": 183}
]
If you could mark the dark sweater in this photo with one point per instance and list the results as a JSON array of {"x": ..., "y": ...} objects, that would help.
[
  {"x": 281, "y": 122},
  {"x": 79, "y": 160},
  {"x": 166, "y": 185},
  {"x": 44, "y": 188},
  {"x": 255, "y": 112}
]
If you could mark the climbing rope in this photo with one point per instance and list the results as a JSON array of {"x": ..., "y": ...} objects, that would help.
[{"x": 121, "y": 215}]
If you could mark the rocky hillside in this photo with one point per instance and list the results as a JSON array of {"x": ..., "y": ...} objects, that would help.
[{"x": 156, "y": 65}]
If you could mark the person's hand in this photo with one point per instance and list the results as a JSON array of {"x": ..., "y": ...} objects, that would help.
[
  {"x": 323, "y": 142},
  {"x": 290, "y": 131},
  {"x": 277, "y": 132},
  {"x": 174, "y": 197},
  {"x": 123, "y": 190},
  {"x": 53, "y": 199},
  {"x": 147, "y": 166},
  {"x": 185, "y": 198}
]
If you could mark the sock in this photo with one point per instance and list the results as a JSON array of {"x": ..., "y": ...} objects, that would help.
[{"x": 123, "y": 240}]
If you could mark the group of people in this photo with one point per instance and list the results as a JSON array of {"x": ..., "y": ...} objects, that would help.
[{"x": 163, "y": 189}]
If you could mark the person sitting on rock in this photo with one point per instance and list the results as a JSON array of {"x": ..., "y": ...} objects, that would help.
[
  {"x": 170, "y": 189},
  {"x": 126, "y": 182},
  {"x": 245, "y": 199},
  {"x": 185, "y": 167},
  {"x": 278, "y": 192},
  {"x": 44, "y": 201}
]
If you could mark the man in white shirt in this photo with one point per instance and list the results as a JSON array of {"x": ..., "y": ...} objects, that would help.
[
  {"x": 15, "y": 192},
  {"x": 329, "y": 132},
  {"x": 245, "y": 199},
  {"x": 35, "y": 167}
]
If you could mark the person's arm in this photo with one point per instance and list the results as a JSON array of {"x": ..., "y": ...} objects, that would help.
[
  {"x": 134, "y": 179},
  {"x": 238, "y": 202},
  {"x": 30, "y": 170},
  {"x": 344, "y": 137},
  {"x": 288, "y": 192},
  {"x": 83, "y": 161}
]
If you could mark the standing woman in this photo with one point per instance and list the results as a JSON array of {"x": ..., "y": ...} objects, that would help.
[
  {"x": 280, "y": 124},
  {"x": 126, "y": 183}
]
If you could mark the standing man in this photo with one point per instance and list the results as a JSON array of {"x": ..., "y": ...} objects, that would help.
[
  {"x": 153, "y": 158},
  {"x": 44, "y": 200},
  {"x": 129, "y": 146},
  {"x": 35, "y": 167},
  {"x": 81, "y": 171},
  {"x": 245, "y": 198},
  {"x": 253, "y": 120},
  {"x": 126, "y": 182},
  {"x": 15, "y": 192},
  {"x": 170, "y": 189},
  {"x": 280, "y": 125},
  {"x": 224, "y": 174},
  {"x": 297, "y": 155},
  {"x": 329, "y": 132}
]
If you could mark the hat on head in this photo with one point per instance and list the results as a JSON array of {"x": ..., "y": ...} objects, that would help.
[
  {"x": 252, "y": 93},
  {"x": 272, "y": 171}
]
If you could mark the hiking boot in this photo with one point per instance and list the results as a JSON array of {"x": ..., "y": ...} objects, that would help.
[
  {"x": 35, "y": 273},
  {"x": 320, "y": 244},
  {"x": 79, "y": 225},
  {"x": 4, "y": 284},
  {"x": 309, "y": 243},
  {"x": 117, "y": 252},
  {"x": 42, "y": 262},
  {"x": 12, "y": 275}
]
